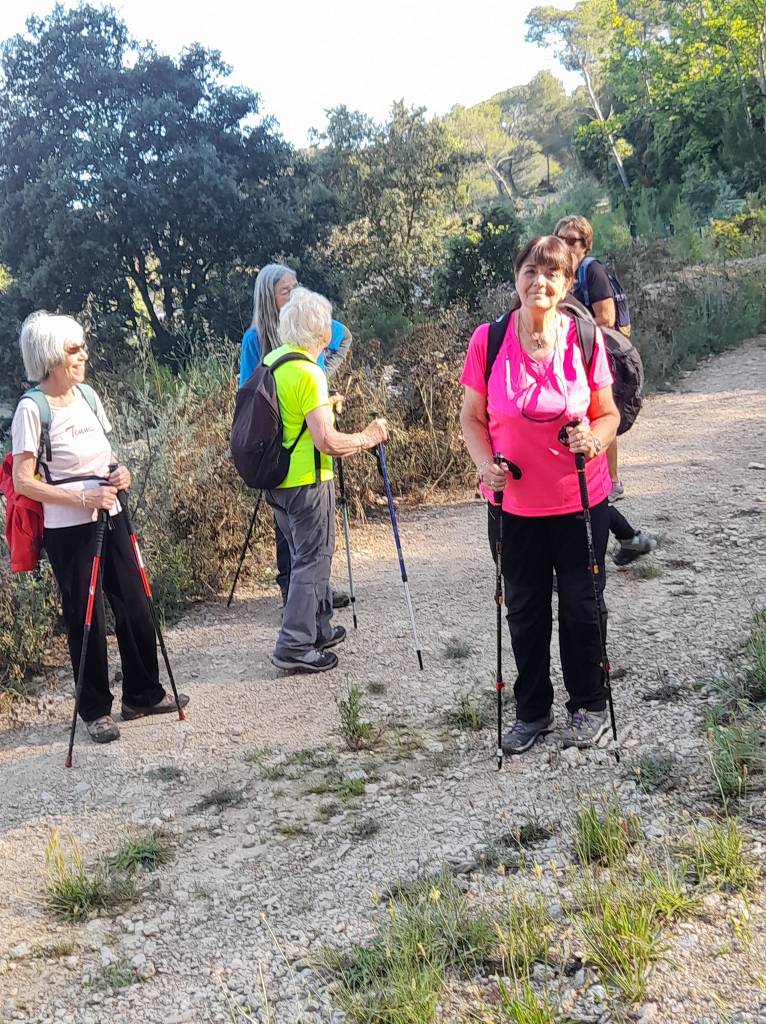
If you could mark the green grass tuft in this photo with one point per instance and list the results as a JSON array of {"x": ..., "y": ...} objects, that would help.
[
  {"x": 468, "y": 715},
  {"x": 656, "y": 770},
  {"x": 618, "y": 923},
  {"x": 520, "y": 1004},
  {"x": 524, "y": 933},
  {"x": 144, "y": 851},
  {"x": 357, "y": 733},
  {"x": 71, "y": 892},
  {"x": 398, "y": 977},
  {"x": 605, "y": 835},
  {"x": 350, "y": 787},
  {"x": 719, "y": 858}
]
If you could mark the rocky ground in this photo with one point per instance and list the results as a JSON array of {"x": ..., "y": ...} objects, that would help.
[{"x": 265, "y": 874}]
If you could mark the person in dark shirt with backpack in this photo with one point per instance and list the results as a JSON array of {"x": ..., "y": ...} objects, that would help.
[{"x": 602, "y": 294}]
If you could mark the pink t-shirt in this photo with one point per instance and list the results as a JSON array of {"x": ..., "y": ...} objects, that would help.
[{"x": 528, "y": 402}]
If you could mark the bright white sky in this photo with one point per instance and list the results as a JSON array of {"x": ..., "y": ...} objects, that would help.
[{"x": 307, "y": 56}]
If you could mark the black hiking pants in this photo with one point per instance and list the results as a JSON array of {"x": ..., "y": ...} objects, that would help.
[
  {"x": 70, "y": 551},
  {"x": 619, "y": 525},
  {"x": 533, "y": 546}
]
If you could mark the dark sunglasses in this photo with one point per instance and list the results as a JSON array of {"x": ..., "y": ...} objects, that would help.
[{"x": 572, "y": 239}]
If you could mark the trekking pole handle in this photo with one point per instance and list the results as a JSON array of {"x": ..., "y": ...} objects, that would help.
[{"x": 507, "y": 465}]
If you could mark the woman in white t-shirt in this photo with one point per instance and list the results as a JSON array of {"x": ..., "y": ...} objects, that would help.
[{"x": 55, "y": 353}]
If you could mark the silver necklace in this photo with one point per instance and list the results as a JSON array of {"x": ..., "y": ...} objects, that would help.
[{"x": 538, "y": 338}]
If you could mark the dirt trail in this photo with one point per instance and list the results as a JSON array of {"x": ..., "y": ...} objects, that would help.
[{"x": 197, "y": 934}]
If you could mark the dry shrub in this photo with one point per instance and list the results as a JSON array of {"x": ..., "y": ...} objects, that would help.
[{"x": 420, "y": 397}]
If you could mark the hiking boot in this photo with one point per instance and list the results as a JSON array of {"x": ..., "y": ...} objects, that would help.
[
  {"x": 162, "y": 707},
  {"x": 314, "y": 661},
  {"x": 523, "y": 734},
  {"x": 584, "y": 728},
  {"x": 641, "y": 543},
  {"x": 340, "y": 599},
  {"x": 103, "y": 729},
  {"x": 337, "y": 636},
  {"x": 617, "y": 491}
]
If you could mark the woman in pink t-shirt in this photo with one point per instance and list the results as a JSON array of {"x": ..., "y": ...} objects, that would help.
[{"x": 538, "y": 385}]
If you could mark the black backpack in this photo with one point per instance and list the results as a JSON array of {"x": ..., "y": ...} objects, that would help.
[
  {"x": 256, "y": 430},
  {"x": 624, "y": 358}
]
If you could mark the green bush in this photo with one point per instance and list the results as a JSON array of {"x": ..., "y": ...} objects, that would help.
[{"x": 27, "y": 619}]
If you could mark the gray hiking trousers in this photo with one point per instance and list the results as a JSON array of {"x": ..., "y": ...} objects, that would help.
[{"x": 306, "y": 516}]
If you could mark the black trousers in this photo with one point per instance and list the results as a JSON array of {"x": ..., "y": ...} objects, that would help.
[
  {"x": 70, "y": 551},
  {"x": 533, "y": 546},
  {"x": 284, "y": 564},
  {"x": 619, "y": 525}
]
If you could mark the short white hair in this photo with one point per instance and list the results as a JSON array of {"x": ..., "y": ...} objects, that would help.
[
  {"x": 43, "y": 340},
  {"x": 305, "y": 319}
]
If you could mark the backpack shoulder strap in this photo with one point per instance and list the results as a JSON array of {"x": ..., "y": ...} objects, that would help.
[
  {"x": 44, "y": 409},
  {"x": 89, "y": 395},
  {"x": 586, "y": 335},
  {"x": 497, "y": 332},
  {"x": 287, "y": 358},
  {"x": 582, "y": 278}
]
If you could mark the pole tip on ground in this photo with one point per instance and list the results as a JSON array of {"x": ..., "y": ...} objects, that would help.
[
  {"x": 420, "y": 661},
  {"x": 181, "y": 715},
  {"x": 68, "y": 762}
]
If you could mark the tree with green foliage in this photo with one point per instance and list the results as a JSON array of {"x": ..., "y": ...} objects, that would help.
[
  {"x": 130, "y": 183},
  {"x": 481, "y": 256},
  {"x": 396, "y": 185},
  {"x": 513, "y": 136},
  {"x": 582, "y": 40}
]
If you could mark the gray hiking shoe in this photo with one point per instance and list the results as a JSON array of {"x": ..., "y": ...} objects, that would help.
[
  {"x": 314, "y": 661},
  {"x": 641, "y": 543},
  {"x": 523, "y": 734},
  {"x": 584, "y": 728},
  {"x": 103, "y": 729}
]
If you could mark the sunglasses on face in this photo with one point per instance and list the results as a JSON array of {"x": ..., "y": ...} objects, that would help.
[
  {"x": 572, "y": 239},
  {"x": 75, "y": 350}
]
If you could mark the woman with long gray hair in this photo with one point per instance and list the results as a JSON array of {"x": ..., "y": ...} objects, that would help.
[{"x": 274, "y": 285}]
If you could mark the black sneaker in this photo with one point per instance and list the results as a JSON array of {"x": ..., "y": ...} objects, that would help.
[
  {"x": 641, "y": 543},
  {"x": 340, "y": 599},
  {"x": 337, "y": 637},
  {"x": 523, "y": 734},
  {"x": 314, "y": 661},
  {"x": 162, "y": 707}
]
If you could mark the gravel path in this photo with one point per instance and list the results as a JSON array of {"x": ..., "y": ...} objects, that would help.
[{"x": 257, "y": 887}]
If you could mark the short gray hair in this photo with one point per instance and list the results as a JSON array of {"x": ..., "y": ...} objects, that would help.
[
  {"x": 43, "y": 341},
  {"x": 305, "y": 319},
  {"x": 265, "y": 312}
]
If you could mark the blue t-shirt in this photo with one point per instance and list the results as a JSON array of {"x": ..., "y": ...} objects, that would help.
[{"x": 251, "y": 350}]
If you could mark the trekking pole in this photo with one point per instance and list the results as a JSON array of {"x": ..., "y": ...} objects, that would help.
[
  {"x": 122, "y": 497},
  {"x": 381, "y": 455},
  {"x": 344, "y": 512},
  {"x": 244, "y": 548},
  {"x": 93, "y": 586},
  {"x": 595, "y": 570},
  {"x": 499, "y": 683}
]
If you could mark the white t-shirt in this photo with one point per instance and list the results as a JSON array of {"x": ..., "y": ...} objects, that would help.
[{"x": 79, "y": 447}]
